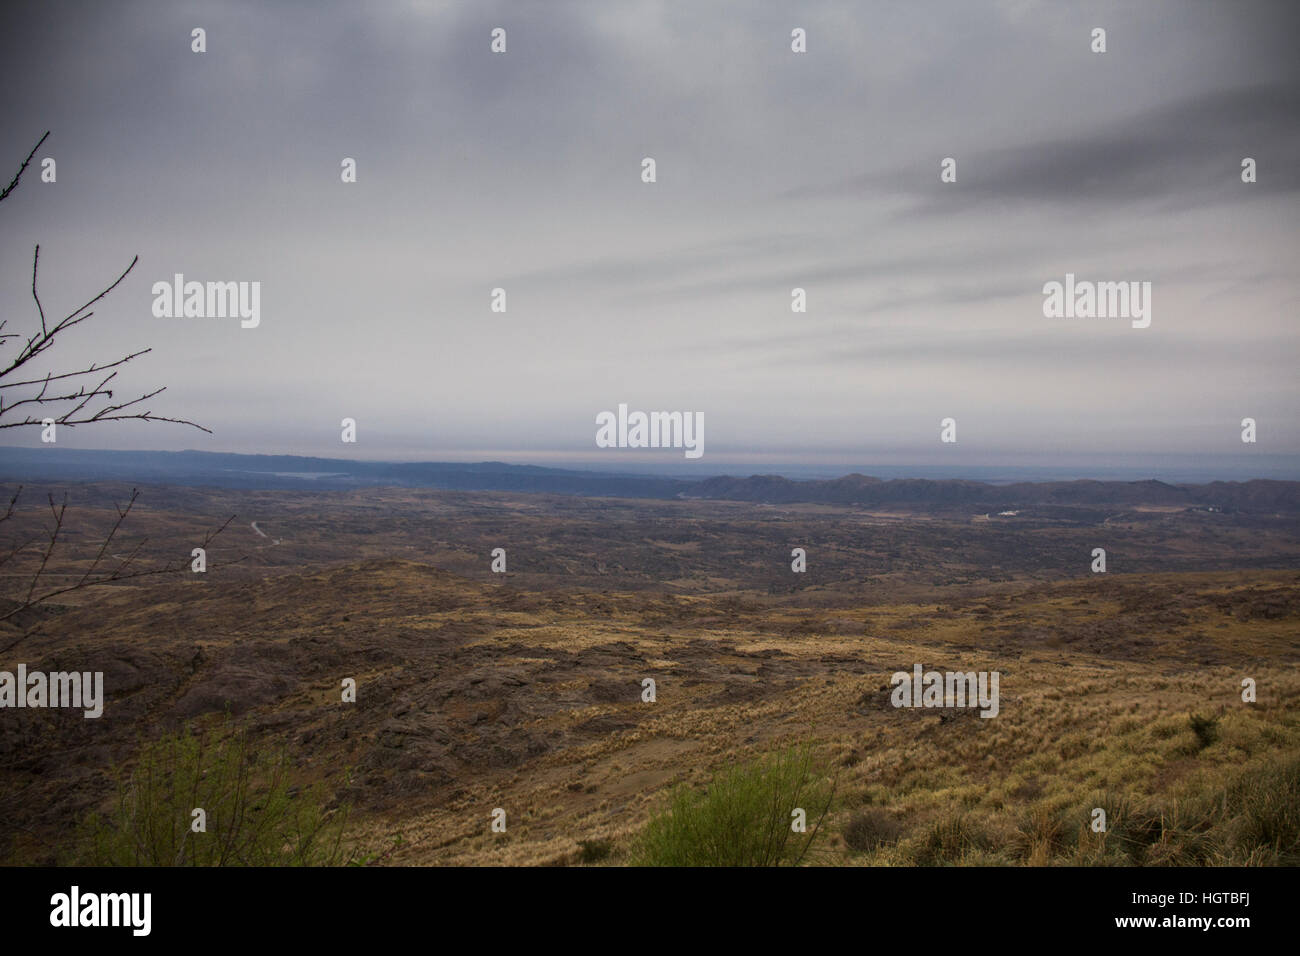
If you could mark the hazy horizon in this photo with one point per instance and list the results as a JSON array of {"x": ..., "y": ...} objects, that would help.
[{"x": 1172, "y": 469}]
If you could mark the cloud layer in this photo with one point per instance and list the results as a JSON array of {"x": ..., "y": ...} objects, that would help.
[{"x": 775, "y": 170}]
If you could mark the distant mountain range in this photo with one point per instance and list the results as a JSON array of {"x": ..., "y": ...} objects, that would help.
[
  {"x": 1257, "y": 496},
  {"x": 208, "y": 469},
  {"x": 220, "y": 470}
]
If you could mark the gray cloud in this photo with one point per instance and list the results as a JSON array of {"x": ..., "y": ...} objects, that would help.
[
  {"x": 775, "y": 170},
  {"x": 1188, "y": 152}
]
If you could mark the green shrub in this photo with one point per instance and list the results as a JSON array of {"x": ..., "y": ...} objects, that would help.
[
  {"x": 253, "y": 816},
  {"x": 744, "y": 818}
]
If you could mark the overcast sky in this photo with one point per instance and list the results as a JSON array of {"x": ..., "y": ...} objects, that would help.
[{"x": 775, "y": 169}]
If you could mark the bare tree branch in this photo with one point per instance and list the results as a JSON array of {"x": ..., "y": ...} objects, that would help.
[
  {"x": 13, "y": 184},
  {"x": 40, "y": 341},
  {"x": 39, "y": 308},
  {"x": 43, "y": 340},
  {"x": 93, "y": 368},
  {"x": 124, "y": 570},
  {"x": 71, "y": 406},
  {"x": 45, "y": 555}
]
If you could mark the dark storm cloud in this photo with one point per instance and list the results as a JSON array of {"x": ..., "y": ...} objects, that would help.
[{"x": 1182, "y": 154}]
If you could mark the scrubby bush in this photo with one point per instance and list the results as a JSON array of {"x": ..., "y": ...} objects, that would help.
[
  {"x": 1042, "y": 832},
  {"x": 1205, "y": 728},
  {"x": 593, "y": 851},
  {"x": 871, "y": 828},
  {"x": 949, "y": 840},
  {"x": 743, "y": 818},
  {"x": 253, "y": 816}
]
